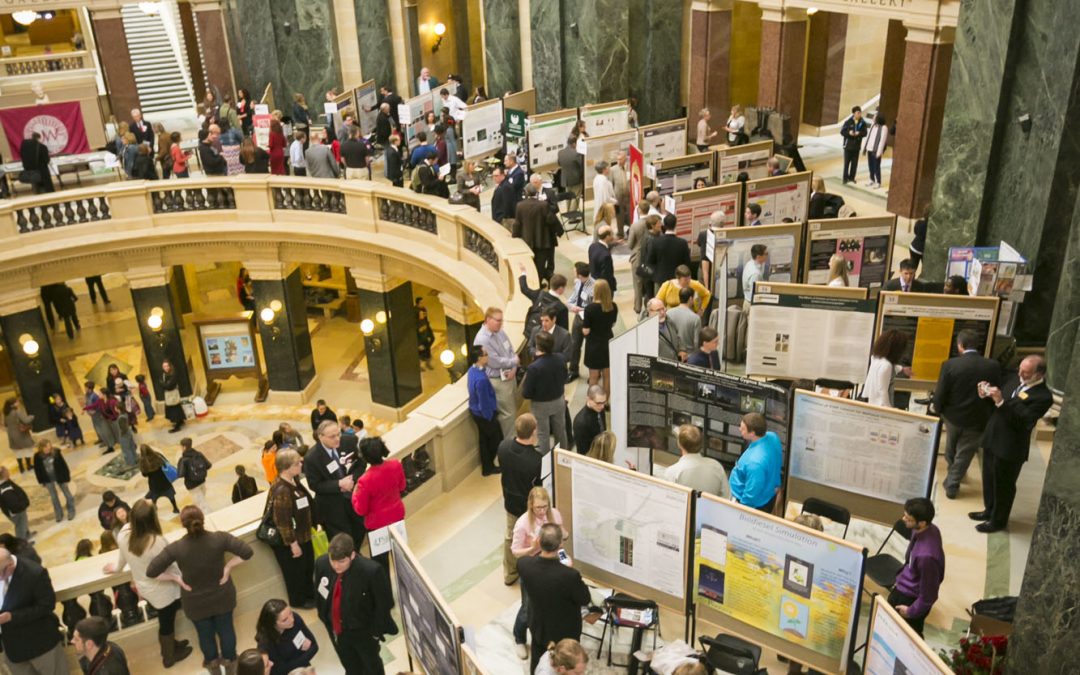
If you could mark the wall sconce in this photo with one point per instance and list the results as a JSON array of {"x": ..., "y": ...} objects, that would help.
[
  {"x": 269, "y": 318},
  {"x": 465, "y": 350},
  {"x": 440, "y": 32},
  {"x": 367, "y": 327},
  {"x": 380, "y": 316},
  {"x": 156, "y": 321},
  {"x": 447, "y": 358},
  {"x": 32, "y": 350},
  {"x": 25, "y": 17}
]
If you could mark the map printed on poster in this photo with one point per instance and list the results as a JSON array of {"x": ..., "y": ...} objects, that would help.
[
  {"x": 754, "y": 163},
  {"x": 676, "y": 176},
  {"x": 367, "y": 98},
  {"x": 693, "y": 210},
  {"x": 777, "y": 577},
  {"x": 605, "y": 148},
  {"x": 631, "y": 527},
  {"x": 865, "y": 249},
  {"x": 481, "y": 130},
  {"x": 893, "y": 650},
  {"x": 547, "y": 136},
  {"x": 606, "y": 119},
  {"x": 805, "y": 336},
  {"x": 861, "y": 448},
  {"x": 431, "y": 635},
  {"x": 779, "y": 265},
  {"x": 788, "y": 200},
  {"x": 932, "y": 331},
  {"x": 663, "y": 140}
]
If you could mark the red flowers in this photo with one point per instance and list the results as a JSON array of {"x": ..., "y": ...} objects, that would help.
[{"x": 978, "y": 655}]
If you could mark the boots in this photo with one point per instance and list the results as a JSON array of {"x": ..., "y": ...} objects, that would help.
[
  {"x": 172, "y": 651},
  {"x": 213, "y": 667},
  {"x": 229, "y": 666}
]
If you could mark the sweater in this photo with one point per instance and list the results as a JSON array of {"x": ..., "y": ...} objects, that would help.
[
  {"x": 284, "y": 653},
  {"x": 201, "y": 561},
  {"x": 377, "y": 497}
]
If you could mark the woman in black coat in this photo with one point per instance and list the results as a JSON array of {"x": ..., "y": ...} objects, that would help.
[
  {"x": 51, "y": 470},
  {"x": 152, "y": 465},
  {"x": 174, "y": 411}
]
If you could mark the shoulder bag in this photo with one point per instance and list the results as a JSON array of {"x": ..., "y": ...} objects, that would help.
[{"x": 268, "y": 532}]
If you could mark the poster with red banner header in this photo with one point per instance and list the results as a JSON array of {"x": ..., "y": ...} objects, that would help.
[
  {"x": 60, "y": 125},
  {"x": 261, "y": 127},
  {"x": 637, "y": 178}
]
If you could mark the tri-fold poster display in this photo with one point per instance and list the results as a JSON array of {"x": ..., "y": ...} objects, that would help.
[
  {"x": 604, "y": 148},
  {"x": 481, "y": 130},
  {"x": 895, "y": 649},
  {"x": 432, "y": 634},
  {"x": 663, "y": 140},
  {"x": 866, "y": 244},
  {"x": 605, "y": 118},
  {"x": 694, "y": 208},
  {"x": 367, "y": 108},
  {"x": 678, "y": 174}
]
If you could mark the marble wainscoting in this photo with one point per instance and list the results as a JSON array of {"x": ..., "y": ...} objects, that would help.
[
  {"x": 547, "y": 61},
  {"x": 376, "y": 47},
  {"x": 502, "y": 46},
  {"x": 596, "y": 52},
  {"x": 653, "y": 74},
  {"x": 250, "y": 29}
]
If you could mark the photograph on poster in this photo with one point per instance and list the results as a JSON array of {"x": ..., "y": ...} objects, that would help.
[
  {"x": 778, "y": 267},
  {"x": 547, "y": 136},
  {"x": 431, "y": 635},
  {"x": 866, "y": 250},
  {"x": 932, "y": 329},
  {"x": 663, "y": 140},
  {"x": 780, "y": 198}
]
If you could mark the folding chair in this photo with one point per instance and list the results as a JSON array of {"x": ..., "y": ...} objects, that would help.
[
  {"x": 883, "y": 568},
  {"x": 729, "y": 654},
  {"x": 571, "y": 220},
  {"x": 834, "y": 512}
]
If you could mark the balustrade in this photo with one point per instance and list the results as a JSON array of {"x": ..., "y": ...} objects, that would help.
[{"x": 61, "y": 214}]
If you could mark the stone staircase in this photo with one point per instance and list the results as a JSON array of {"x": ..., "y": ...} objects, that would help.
[{"x": 158, "y": 58}]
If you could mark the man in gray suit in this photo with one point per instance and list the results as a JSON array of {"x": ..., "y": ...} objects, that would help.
[
  {"x": 564, "y": 344},
  {"x": 320, "y": 161},
  {"x": 572, "y": 166},
  {"x": 686, "y": 321},
  {"x": 670, "y": 343}
]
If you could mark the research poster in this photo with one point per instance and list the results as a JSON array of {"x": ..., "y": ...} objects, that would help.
[
  {"x": 780, "y": 266},
  {"x": 367, "y": 98},
  {"x": 797, "y": 335},
  {"x": 228, "y": 346},
  {"x": 481, "y": 130},
  {"x": 776, "y": 577},
  {"x": 751, "y": 158},
  {"x": 418, "y": 108},
  {"x": 694, "y": 209},
  {"x": 663, "y": 140},
  {"x": 932, "y": 323},
  {"x": 678, "y": 174},
  {"x": 781, "y": 197},
  {"x": 430, "y": 633},
  {"x": 547, "y": 135},
  {"x": 629, "y": 526},
  {"x": 860, "y": 448},
  {"x": 895, "y": 649},
  {"x": 605, "y": 148},
  {"x": 866, "y": 249},
  {"x": 606, "y": 118},
  {"x": 663, "y": 395}
]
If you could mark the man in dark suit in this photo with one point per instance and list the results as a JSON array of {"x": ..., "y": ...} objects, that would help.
[
  {"x": 853, "y": 130},
  {"x": 549, "y": 298},
  {"x": 521, "y": 464},
  {"x": 35, "y": 162},
  {"x": 212, "y": 162},
  {"x": 601, "y": 265},
  {"x": 672, "y": 346},
  {"x": 906, "y": 282},
  {"x": 515, "y": 175},
  {"x": 590, "y": 422},
  {"x": 359, "y": 602},
  {"x": 1007, "y": 439},
  {"x": 572, "y": 171},
  {"x": 144, "y": 133},
  {"x": 667, "y": 252},
  {"x": 331, "y": 474},
  {"x": 535, "y": 224},
  {"x": 29, "y": 631},
  {"x": 325, "y": 580},
  {"x": 503, "y": 201},
  {"x": 387, "y": 96},
  {"x": 965, "y": 412},
  {"x": 556, "y": 594},
  {"x": 549, "y": 323}
]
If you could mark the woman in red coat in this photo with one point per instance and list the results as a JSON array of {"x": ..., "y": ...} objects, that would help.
[
  {"x": 377, "y": 496},
  {"x": 277, "y": 148}
]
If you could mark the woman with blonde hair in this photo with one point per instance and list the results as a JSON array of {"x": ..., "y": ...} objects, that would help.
[
  {"x": 565, "y": 657},
  {"x": 526, "y": 542},
  {"x": 838, "y": 271},
  {"x": 605, "y": 215},
  {"x": 603, "y": 447},
  {"x": 598, "y": 326},
  {"x": 735, "y": 125},
  {"x": 705, "y": 134}
]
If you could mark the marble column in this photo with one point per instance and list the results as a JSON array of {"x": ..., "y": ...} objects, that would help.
[
  {"x": 376, "y": 45},
  {"x": 36, "y": 375},
  {"x": 1065, "y": 319},
  {"x": 824, "y": 68},
  {"x": 150, "y": 295},
  {"x": 654, "y": 51},
  {"x": 783, "y": 51},
  {"x": 346, "y": 30},
  {"x": 391, "y": 349},
  {"x": 595, "y": 51},
  {"x": 210, "y": 22},
  {"x": 1046, "y": 626},
  {"x": 927, "y": 57},
  {"x": 463, "y": 320},
  {"x": 710, "y": 48},
  {"x": 545, "y": 37},
  {"x": 253, "y": 50},
  {"x": 286, "y": 341},
  {"x": 502, "y": 46},
  {"x": 115, "y": 61},
  {"x": 892, "y": 71}
]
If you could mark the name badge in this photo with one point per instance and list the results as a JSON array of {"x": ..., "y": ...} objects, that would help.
[
  {"x": 506, "y": 344},
  {"x": 333, "y": 466},
  {"x": 302, "y": 503},
  {"x": 324, "y": 587},
  {"x": 1022, "y": 395},
  {"x": 299, "y": 640}
]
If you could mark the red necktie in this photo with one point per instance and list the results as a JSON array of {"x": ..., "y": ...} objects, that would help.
[{"x": 335, "y": 607}]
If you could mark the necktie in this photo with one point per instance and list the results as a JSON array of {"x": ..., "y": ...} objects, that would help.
[
  {"x": 335, "y": 607},
  {"x": 1016, "y": 391},
  {"x": 904, "y": 287}
]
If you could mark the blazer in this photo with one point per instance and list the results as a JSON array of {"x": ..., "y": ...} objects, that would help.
[
  {"x": 564, "y": 344},
  {"x": 667, "y": 252},
  {"x": 1008, "y": 433},
  {"x": 333, "y": 508},
  {"x": 320, "y": 161},
  {"x": 392, "y": 163},
  {"x": 366, "y": 599},
  {"x": 143, "y": 135},
  {"x": 687, "y": 326},
  {"x": 325, "y": 578},
  {"x": 671, "y": 342},
  {"x": 503, "y": 202},
  {"x": 956, "y": 397},
  {"x": 572, "y": 166},
  {"x": 547, "y": 299},
  {"x": 33, "y": 629},
  {"x": 601, "y": 265},
  {"x": 917, "y": 285},
  {"x": 556, "y": 596},
  {"x": 535, "y": 224},
  {"x": 212, "y": 161}
]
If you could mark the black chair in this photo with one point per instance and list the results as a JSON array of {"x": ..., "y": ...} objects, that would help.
[
  {"x": 571, "y": 220},
  {"x": 729, "y": 654},
  {"x": 882, "y": 568},
  {"x": 834, "y": 512},
  {"x": 625, "y": 610}
]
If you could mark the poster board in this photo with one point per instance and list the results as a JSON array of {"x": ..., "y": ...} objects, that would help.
[
  {"x": 522, "y": 100},
  {"x": 605, "y": 118},
  {"x": 781, "y": 197},
  {"x": 227, "y": 345},
  {"x": 863, "y": 457},
  {"x": 749, "y": 157},
  {"x": 931, "y": 323},
  {"x": 777, "y": 584},
  {"x": 894, "y": 647},
  {"x": 663, "y": 395},
  {"x": 605, "y": 148},
  {"x": 678, "y": 174},
  {"x": 470, "y": 662},
  {"x": 417, "y": 108},
  {"x": 694, "y": 208},
  {"x": 644, "y": 339},
  {"x": 800, "y": 331},
  {"x": 432, "y": 634},
  {"x": 547, "y": 135},
  {"x": 481, "y": 130},
  {"x": 367, "y": 108},
  {"x": 784, "y": 242},
  {"x": 628, "y": 531},
  {"x": 866, "y": 243},
  {"x": 663, "y": 140}
]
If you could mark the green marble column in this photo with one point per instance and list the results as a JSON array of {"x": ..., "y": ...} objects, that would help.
[
  {"x": 1065, "y": 320},
  {"x": 546, "y": 38},
  {"x": 250, "y": 28},
  {"x": 656, "y": 27},
  {"x": 502, "y": 46},
  {"x": 376, "y": 46},
  {"x": 595, "y": 51}
]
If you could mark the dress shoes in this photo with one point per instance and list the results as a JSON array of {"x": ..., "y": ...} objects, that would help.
[
  {"x": 988, "y": 527},
  {"x": 951, "y": 492},
  {"x": 979, "y": 515}
]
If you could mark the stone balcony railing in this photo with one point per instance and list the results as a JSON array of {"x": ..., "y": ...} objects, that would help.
[{"x": 46, "y": 63}]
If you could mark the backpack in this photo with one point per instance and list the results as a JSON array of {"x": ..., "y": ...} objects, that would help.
[{"x": 195, "y": 471}]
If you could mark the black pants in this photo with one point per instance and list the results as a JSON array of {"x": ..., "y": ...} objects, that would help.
[
  {"x": 299, "y": 171},
  {"x": 167, "y": 618},
  {"x": 545, "y": 262},
  {"x": 999, "y": 486},
  {"x": 71, "y": 324},
  {"x": 898, "y": 598},
  {"x": 297, "y": 572},
  {"x": 490, "y": 435},
  {"x": 400, "y": 182},
  {"x": 94, "y": 284},
  {"x": 851, "y": 162},
  {"x": 579, "y": 339},
  {"x": 768, "y": 506},
  {"x": 359, "y": 653}
]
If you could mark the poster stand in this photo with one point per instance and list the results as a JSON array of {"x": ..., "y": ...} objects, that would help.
[
  {"x": 677, "y": 174},
  {"x": 784, "y": 242},
  {"x": 781, "y": 197},
  {"x": 694, "y": 208},
  {"x": 993, "y": 270},
  {"x": 228, "y": 347},
  {"x": 663, "y": 140},
  {"x": 604, "y": 148},
  {"x": 481, "y": 130},
  {"x": 522, "y": 100},
  {"x": 268, "y": 95},
  {"x": 365, "y": 100},
  {"x": 866, "y": 242},
  {"x": 547, "y": 135},
  {"x": 642, "y": 339},
  {"x": 892, "y": 646},
  {"x": 753, "y": 158}
]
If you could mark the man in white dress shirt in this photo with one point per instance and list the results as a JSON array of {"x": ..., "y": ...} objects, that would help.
[
  {"x": 695, "y": 471},
  {"x": 603, "y": 190}
]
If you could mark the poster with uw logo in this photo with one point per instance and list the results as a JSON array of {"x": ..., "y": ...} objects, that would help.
[{"x": 60, "y": 125}]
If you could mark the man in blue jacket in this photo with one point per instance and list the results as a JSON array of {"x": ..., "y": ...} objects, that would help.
[{"x": 755, "y": 480}]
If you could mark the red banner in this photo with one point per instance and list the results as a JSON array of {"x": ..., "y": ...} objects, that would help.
[
  {"x": 637, "y": 178},
  {"x": 60, "y": 125},
  {"x": 261, "y": 124}
]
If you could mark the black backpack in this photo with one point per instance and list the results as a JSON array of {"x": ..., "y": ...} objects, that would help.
[{"x": 195, "y": 471}]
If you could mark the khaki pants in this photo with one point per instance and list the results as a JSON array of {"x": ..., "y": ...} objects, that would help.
[
  {"x": 356, "y": 174},
  {"x": 510, "y": 573},
  {"x": 506, "y": 398},
  {"x": 52, "y": 662}
]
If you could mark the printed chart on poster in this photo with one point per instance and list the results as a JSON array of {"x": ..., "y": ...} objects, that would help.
[
  {"x": 679, "y": 173},
  {"x": 430, "y": 631},
  {"x": 626, "y": 529},
  {"x": 895, "y": 649},
  {"x": 800, "y": 331},
  {"x": 775, "y": 583},
  {"x": 664, "y": 395},
  {"x": 751, "y": 158},
  {"x": 663, "y": 140},
  {"x": 781, "y": 197},
  {"x": 417, "y": 108},
  {"x": 605, "y": 148},
  {"x": 864, "y": 457},
  {"x": 694, "y": 209},
  {"x": 481, "y": 130},
  {"x": 547, "y": 136},
  {"x": 605, "y": 118},
  {"x": 228, "y": 346},
  {"x": 782, "y": 264},
  {"x": 932, "y": 323},
  {"x": 866, "y": 244},
  {"x": 367, "y": 101}
]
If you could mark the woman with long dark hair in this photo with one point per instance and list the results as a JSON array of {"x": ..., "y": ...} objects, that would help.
[
  {"x": 152, "y": 465},
  {"x": 254, "y": 158},
  {"x": 174, "y": 411},
  {"x": 885, "y": 357},
  {"x": 245, "y": 110},
  {"x": 291, "y": 504},
  {"x": 283, "y": 635}
]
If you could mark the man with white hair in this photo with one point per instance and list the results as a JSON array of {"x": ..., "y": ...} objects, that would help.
[
  {"x": 716, "y": 222},
  {"x": 655, "y": 202},
  {"x": 544, "y": 194},
  {"x": 141, "y": 128},
  {"x": 383, "y": 124},
  {"x": 426, "y": 82},
  {"x": 670, "y": 343},
  {"x": 620, "y": 178}
]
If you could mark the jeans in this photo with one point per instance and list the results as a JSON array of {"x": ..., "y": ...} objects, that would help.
[
  {"x": 22, "y": 525},
  {"x": 148, "y": 407},
  {"x": 521, "y": 621},
  {"x": 873, "y": 162},
  {"x": 51, "y": 487},
  {"x": 213, "y": 629}
]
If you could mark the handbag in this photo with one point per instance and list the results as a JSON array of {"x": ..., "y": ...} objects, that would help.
[
  {"x": 319, "y": 542},
  {"x": 644, "y": 270},
  {"x": 169, "y": 469},
  {"x": 268, "y": 532},
  {"x": 172, "y": 397}
]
